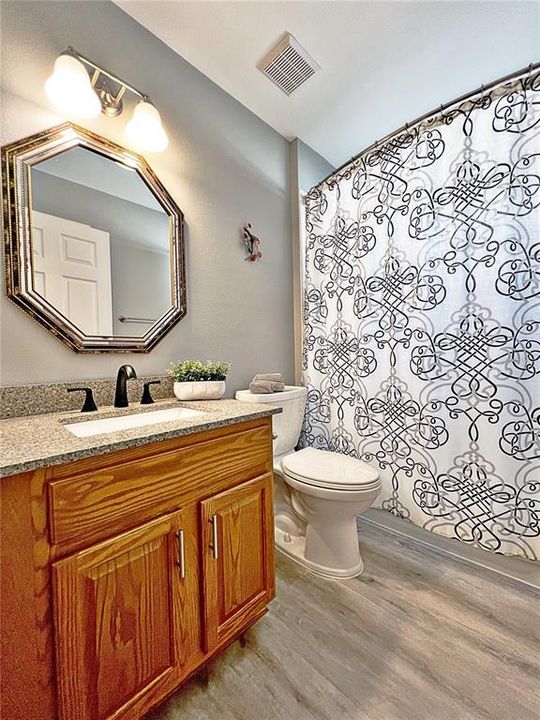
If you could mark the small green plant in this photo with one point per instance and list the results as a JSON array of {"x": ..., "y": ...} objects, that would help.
[
  {"x": 195, "y": 371},
  {"x": 217, "y": 369}
]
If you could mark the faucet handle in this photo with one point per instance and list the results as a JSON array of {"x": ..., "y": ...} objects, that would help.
[
  {"x": 89, "y": 403},
  {"x": 147, "y": 399}
]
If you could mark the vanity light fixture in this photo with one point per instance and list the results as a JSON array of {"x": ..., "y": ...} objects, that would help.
[
  {"x": 146, "y": 125},
  {"x": 82, "y": 89},
  {"x": 70, "y": 89}
]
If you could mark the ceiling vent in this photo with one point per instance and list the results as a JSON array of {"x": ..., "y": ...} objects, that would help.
[{"x": 288, "y": 65}]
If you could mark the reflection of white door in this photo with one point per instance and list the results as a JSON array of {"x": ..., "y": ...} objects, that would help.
[{"x": 72, "y": 271}]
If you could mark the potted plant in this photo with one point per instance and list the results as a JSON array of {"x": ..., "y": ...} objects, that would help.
[{"x": 195, "y": 381}]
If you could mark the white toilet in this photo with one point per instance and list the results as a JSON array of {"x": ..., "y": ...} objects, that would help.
[{"x": 318, "y": 494}]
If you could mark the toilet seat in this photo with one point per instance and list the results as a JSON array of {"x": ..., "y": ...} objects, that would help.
[{"x": 329, "y": 470}]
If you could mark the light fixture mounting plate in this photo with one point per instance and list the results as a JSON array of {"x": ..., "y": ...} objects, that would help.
[{"x": 110, "y": 97}]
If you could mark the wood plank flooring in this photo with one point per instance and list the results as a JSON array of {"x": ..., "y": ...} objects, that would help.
[{"x": 417, "y": 637}]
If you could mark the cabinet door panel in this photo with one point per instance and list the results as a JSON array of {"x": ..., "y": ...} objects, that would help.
[
  {"x": 128, "y": 641},
  {"x": 187, "y": 597},
  {"x": 238, "y": 535},
  {"x": 118, "y": 613}
]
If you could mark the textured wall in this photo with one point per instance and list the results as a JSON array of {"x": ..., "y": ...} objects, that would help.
[
  {"x": 312, "y": 167},
  {"x": 223, "y": 166}
]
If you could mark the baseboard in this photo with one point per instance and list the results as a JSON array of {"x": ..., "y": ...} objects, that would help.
[{"x": 519, "y": 572}]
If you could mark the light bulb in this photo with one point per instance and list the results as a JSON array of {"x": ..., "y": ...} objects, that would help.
[
  {"x": 145, "y": 129},
  {"x": 70, "y": 89}
]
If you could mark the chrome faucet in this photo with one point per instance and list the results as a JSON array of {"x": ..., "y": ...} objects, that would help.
[{"x": 125, "y": 373}]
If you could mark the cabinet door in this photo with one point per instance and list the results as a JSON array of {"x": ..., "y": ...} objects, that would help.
[
  {"x": 238, "y": 557},
  {"x": 126, "y": 616}
]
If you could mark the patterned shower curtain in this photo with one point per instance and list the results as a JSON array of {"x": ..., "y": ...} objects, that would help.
[{"x": 422, "y": 322}]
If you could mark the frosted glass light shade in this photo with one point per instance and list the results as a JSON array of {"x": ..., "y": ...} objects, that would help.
[
  {"x": 145, "y": 129},
  {"x": 70, "y": 89}
]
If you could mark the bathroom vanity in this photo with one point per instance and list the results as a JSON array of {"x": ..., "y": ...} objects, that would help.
[{"x": 129, "y": 560}]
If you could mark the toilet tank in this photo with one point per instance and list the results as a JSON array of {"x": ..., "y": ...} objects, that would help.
[{"x": 287, "y": 425}]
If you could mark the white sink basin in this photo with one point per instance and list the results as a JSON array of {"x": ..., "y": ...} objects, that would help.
[{"x": 125, "y": 422}]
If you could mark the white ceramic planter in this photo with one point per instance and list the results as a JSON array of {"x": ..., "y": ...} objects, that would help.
[{"x": 204, "y": 390}]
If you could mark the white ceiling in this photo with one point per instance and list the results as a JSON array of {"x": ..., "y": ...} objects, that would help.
[{"x": 383, "y": 63}]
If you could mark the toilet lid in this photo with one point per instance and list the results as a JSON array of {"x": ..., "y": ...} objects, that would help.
[{"x": 329, "y": 469}]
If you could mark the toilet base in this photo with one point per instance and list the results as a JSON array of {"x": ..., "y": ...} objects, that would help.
[{"x": 293, "y": 546}]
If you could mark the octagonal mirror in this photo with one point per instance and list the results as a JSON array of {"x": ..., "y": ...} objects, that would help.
[{"x": 94, "y": 244}]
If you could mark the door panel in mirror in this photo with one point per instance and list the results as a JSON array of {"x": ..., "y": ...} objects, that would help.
[{"x": 72, "y": 265}]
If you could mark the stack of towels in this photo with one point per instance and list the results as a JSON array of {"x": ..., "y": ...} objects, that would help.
[{"x": 267, "y": 383}]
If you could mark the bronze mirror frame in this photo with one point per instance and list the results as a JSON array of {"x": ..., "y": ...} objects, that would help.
[{"x": 17, "y": 160}]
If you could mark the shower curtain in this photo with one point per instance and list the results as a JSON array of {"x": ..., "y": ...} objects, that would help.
[{"x": 422, "y": 322}]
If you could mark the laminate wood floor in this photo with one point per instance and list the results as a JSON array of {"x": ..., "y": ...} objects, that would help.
[{"x": 417, "y": 637}]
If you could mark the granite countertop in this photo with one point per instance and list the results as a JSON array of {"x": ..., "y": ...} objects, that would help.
[{"x": 36, "y": 441}]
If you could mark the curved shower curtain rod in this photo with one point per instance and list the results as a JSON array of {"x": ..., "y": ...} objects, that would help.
[{"x": 407, "y": 126}]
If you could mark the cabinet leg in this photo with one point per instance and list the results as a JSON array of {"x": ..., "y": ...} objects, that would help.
[{"x": 203, "y": 677}]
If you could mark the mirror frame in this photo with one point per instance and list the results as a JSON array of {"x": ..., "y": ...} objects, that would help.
[{"x": 17, "y": 160}]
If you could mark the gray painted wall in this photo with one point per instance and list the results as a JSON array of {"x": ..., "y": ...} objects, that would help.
[
  {"x": 224, "y": 167},
  {"x": 307, "y": 168},
  {"x": 312, "y": 167},
  {"x": 139, "y": 242},
  {"x": 141, "y": 286}
]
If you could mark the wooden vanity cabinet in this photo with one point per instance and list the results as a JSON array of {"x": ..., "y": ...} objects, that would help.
[
  {"x": 120, "y": 616},
  {"x": 124, "y": 611},
  {"x": 238, "y": 576}
]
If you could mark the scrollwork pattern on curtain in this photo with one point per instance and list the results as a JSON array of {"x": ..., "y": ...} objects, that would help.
[{"x": 422, "y": 322}]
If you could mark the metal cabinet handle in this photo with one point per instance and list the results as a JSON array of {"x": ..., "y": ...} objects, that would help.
[
  {"x": 214, "y": 543},
  {"x": 181, "y": 553}
]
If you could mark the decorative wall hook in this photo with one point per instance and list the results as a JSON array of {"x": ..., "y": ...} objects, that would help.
[{"x": 252, "y": 244}]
